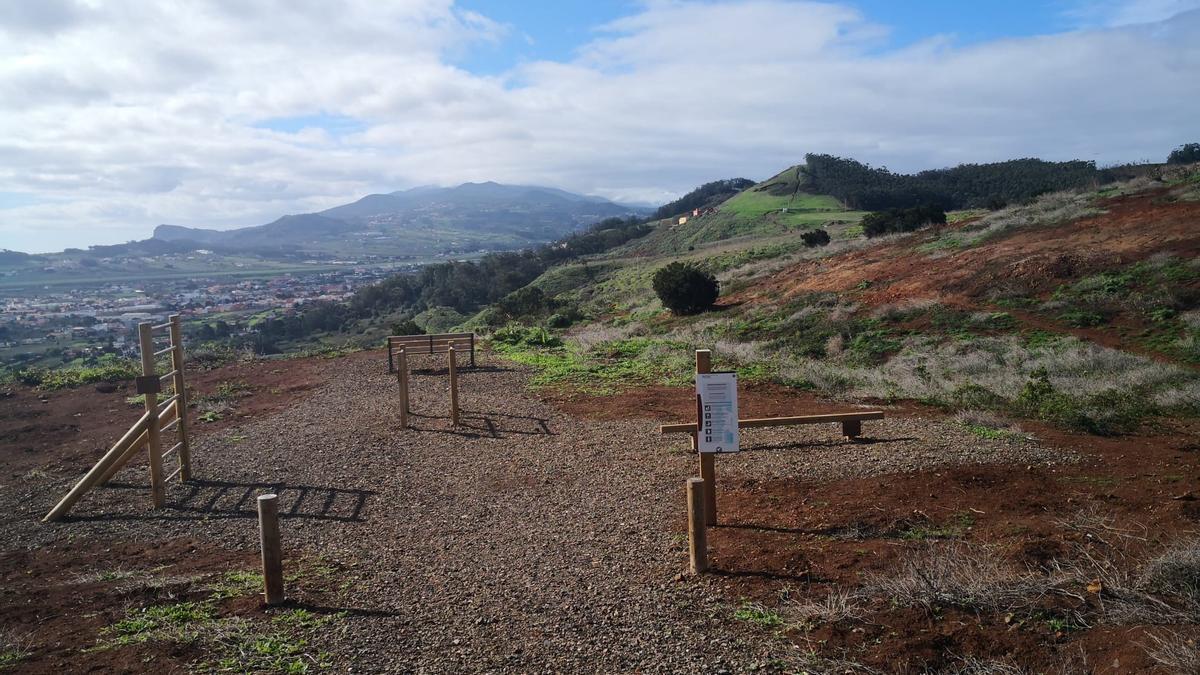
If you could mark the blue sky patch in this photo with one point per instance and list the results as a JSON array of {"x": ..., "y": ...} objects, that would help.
[{"x": 334, "y": 125}]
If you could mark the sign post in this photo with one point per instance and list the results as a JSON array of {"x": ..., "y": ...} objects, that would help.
[{"x": 717, "y": 393}]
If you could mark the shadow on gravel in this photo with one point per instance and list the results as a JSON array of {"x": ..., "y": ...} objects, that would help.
[
  {"x": 206, "y": 499},
  {"x": 325, "y": 609},
  {"x": 831, "y": 443},
  {"x": 777, "y": 576},
  {"x": 462, "y": 370},
  {"x": 753, "y": 527},
  {"x": 483, "y": 425}
]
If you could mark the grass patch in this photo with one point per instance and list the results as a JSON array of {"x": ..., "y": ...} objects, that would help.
[
  {"x": 757, "y": 614},
  {"x": 69, "y": 377},
  {"x": 282, "y": 644},
  {"x": 236, "y": 584},
  {"x": 606, "y": 368},
  {"x": 174, "y": 623},
  {"x": 13, "y": 650},
  {"x": 957, "y": 526}
]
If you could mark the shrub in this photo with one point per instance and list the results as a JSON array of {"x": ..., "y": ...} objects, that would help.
[
  {"x": 564, "y": 318},
  {"x": 685, "y": 289},
  {"x": 528, "y": 301},
  {"x": 406, "y": 326},
  {"x": 902, "y": 220},
  {"x": 815, "y": 238},
  {"x": 107, "y": 370},
  {"x": 517, "y": 335}
]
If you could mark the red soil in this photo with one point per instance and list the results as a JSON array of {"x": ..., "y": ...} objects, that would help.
[
  {"x": 83, "y": 423},
  {"x": 1134, "y": 228},
  {"x": 55, "y": 591},
  {"x": 802, "y": 537}
]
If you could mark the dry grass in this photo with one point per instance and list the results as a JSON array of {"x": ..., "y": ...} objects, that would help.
[
  {"x": 974, "y": 666},
  {"x": 1176, "y": 573},
  {"x": 1175, "y": 652},
  {"x": 960, "y": 576},
  {"x": 1047, "y": 210},
  {"x": 926, "y": 368},
  {"x": 14, "y": 647},
  {"x": 594, "y": 334},
  {"x": 840, "y": 605}
]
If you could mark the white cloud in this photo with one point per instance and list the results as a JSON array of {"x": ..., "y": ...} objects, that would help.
[{"x": 119, "y": 116}]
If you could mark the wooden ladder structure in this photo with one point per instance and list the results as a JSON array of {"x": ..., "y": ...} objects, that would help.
[{"x": 161, "y": 416}]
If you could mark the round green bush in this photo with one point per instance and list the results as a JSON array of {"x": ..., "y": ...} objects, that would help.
[{"x": 684, "y": 289}]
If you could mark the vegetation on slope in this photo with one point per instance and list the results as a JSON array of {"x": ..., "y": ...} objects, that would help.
[
  {"x": 962, "y": 187},
  {"x": 707, "y": 195},
  {"x": 1002, "y": 355}
]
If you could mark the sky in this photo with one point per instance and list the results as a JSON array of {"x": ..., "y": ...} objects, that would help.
[{"x": 116, "y": 116}]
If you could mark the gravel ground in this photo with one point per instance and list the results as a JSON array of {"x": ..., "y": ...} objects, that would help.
[{"x": 527, "y": 541}]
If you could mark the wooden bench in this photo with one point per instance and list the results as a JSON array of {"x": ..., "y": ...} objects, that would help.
[
  {"x": 438, "y": 343},
  {"x": 851, "y": 422}
]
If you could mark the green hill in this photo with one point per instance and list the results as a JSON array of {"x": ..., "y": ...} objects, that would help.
[{"x": 776, "y": 206}]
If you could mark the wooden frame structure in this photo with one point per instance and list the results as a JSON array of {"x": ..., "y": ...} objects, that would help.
[
  {"x": 438, "y": 343},
  {"x": 169, "y": 414},
  {"x": 851, "y": 428},
  {"x": 400, "y": 366}
]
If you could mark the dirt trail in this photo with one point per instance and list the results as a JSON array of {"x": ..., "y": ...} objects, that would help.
[{"x": 527, "y": 540}]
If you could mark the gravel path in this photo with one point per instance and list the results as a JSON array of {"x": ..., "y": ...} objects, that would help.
[{"x": 527, "y": 541}]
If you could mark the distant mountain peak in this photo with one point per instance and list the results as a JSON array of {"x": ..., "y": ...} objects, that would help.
[{"x": 427, "y": 218}]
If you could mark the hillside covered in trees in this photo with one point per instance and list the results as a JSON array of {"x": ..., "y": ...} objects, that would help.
[
  {"x": 709, "y": 194},
  {"x": 462, "y": 286},
  {"x": 967, "y": 186}
]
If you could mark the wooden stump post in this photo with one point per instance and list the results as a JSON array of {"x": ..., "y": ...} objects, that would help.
[
  {"x": 402, "y": 379},
  {"x": 852, "y": 429},
  {"x": 708, "y": 468},
  {"x": 452, "y": 363},
  {"x": 158, "y": 493},
  {"x": 697, "y": 532},
  {"x": 185, "y": 451},
  {"x": 272, "y": 552}
]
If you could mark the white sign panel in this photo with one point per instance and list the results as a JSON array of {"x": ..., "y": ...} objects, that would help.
[{"x": 718, "y": 412}]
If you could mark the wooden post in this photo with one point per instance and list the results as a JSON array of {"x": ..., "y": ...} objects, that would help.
[
  {"x": 153, "y": 433},
  {"x": 402, "y": 379},
  {"x": 852, "y": 429},
  {"x": 452, "y": 362},
  {"x": 708, "y": 468},
  {"x": 697, "y": 532},
  {"x": 388, "y": 342},
  {"x": 272, "y": 552},
  {"x": 185, "y": 451}
]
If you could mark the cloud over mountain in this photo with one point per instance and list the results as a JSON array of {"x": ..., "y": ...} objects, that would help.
[{"x": 222, "y": 113}]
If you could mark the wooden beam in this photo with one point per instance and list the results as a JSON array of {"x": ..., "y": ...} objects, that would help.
[
  {"x": 402, "y": 379},
  {"x": 782, "y": 421},
  {"x": 158, "y": 493},
  {"x": 130, "y": 453},
  {"x": 101, "y": 467},
  {"x": 185, "y": 448},
  {"x": 452, "y": 363}
]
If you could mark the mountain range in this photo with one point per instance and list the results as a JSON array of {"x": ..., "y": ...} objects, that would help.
[{"x": 422, "y": 220}]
